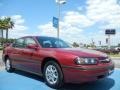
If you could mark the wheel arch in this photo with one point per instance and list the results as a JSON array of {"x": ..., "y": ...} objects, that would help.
[
  {"x": 5, "y": 58},
  {"x": 45, "y": 60}
]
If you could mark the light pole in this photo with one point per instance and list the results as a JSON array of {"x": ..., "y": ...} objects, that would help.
[
  {"x": 109, "y": 44},
  {"x": 58, "y": 29},
  {"x": 59, "y": 2}
]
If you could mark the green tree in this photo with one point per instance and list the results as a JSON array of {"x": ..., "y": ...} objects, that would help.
[
  {"x": 75, "y": 44},
  {"x": 1, "y": 28},
  {"x": 10, "y": 40},
  {"x": 118, "y": 44},
  {"x": 8, "y": 24},
  {"x": 5, "y": 24}
]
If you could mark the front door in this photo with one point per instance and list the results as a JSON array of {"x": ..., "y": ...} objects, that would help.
[{"x": 30, "y": 63}]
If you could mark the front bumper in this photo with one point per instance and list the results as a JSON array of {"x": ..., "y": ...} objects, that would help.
[{"x": 87, "y": 73}]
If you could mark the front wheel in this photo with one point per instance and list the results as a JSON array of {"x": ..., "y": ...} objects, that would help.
[
  {"x": 8, "y": 65},
  {"x": 53, "y": 74}
]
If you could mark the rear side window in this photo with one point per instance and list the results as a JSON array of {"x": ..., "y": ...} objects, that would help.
[
  {"x": 29, "y": 41},
  {"x": 19, "y": 43}
]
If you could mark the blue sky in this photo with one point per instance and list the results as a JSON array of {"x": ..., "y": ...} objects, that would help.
[
  {"x": 81, "y": 20},
  {"x": 37, "y": 11}
]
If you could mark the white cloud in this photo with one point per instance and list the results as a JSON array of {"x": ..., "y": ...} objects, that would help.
[
  {"x": 19, "y": 28},
  {"x": 106, "y": 11},
  {"x": 18, "y": 19},
  {"x": 99, "y": 13},
  {"x": 47, "y": 29},
  {"x": 71, "y": 27},
  {"x": 66, "y": 31},
  {"x": 75, "y": 18},
  {"x": 74, "y": 23}
]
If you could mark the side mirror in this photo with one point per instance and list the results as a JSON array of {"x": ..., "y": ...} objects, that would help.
[
  {"x": 6, "y": 45},
  {"x": 32, "y": 46}
]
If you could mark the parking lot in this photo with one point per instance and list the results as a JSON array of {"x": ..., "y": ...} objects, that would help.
[{"x": 24, "y": 81}]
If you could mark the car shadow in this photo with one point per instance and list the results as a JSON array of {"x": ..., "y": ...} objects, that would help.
[
  {"x": 29, "y": 75},
  {"x": 103, "y": 84}
]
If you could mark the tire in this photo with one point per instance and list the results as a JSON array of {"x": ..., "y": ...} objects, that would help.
[
  {"x": 8, "y": 65},
  {"x": 53, "y": 75}
]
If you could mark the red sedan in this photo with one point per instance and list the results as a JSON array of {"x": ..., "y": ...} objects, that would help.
[{"x": 56, "y": 61}]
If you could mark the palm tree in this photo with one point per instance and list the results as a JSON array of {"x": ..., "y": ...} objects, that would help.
[
  {"x": 8, "y": 24},
  {"x": 1, "y": 29}
]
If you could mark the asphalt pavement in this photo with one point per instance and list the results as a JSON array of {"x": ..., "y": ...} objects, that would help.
[{"x": 24, "y": 81}]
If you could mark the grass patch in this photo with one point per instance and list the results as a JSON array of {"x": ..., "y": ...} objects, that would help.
[
  {"x": 1, "y": 48},
  {"x": 114, "y": 55}
]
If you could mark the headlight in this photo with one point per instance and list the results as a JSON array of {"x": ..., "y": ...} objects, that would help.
[
  {"x": 106, "y": 60},
  {"x": 89, "y": 61}
]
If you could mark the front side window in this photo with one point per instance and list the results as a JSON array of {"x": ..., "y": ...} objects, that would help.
[
  {"x": 29, "y": 41},
  {"x": 50, "y": 42}
]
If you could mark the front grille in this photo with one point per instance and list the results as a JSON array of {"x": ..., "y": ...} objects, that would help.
[{"x": 102, "y": 58}]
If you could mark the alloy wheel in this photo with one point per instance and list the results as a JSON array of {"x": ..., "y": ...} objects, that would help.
[{"x": 51, "y": 74}]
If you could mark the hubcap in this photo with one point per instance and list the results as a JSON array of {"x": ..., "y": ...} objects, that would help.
[
  {"x": 8, "y": 65},
  {"x": 51, "y": 74}
]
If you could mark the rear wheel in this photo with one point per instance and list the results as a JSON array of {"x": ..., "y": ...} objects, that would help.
[
  {"x": 53, "y": 74},
  {"x": 8, "y": 65}
]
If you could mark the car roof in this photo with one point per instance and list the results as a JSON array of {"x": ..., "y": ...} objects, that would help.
[{"x": 38, "y": 36}]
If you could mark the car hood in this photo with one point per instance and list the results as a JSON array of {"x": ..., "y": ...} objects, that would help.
[{"x": 83, "y": 52}]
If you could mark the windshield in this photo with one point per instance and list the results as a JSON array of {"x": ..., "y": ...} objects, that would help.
[{"x": 50, "y": 42}]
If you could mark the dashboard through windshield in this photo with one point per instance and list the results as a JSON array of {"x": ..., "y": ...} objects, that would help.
[{"x": 51, "y": 42}]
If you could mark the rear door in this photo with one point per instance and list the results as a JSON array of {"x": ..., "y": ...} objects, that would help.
[{"x": 16, "y": 53}]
